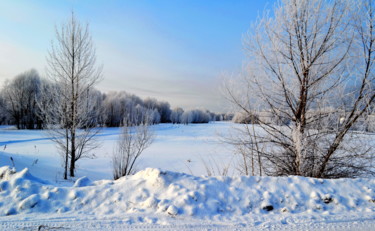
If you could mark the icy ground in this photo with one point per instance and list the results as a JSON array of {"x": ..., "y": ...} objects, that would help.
[{"x": 33, "y": 196}]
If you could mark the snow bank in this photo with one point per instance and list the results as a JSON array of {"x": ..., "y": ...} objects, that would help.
[{"x": 174, "y": 194}]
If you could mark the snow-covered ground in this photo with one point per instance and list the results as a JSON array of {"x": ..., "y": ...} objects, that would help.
[
  {"x": 169, "y": 192},
  {"x": 180, "y": 148}
]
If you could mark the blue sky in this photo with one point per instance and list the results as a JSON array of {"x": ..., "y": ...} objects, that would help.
[{"x": 172, "y": 50}]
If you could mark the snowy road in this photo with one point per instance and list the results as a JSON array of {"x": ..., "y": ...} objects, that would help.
[{"x": 341, "y": 223}]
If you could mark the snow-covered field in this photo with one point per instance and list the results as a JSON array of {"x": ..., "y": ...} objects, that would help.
[
  {"x": 169, "y": 193},
  {"x": 180, "y": 148}
]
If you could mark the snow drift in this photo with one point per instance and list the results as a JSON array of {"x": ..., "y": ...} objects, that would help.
[{"x": 172, "y": 194}]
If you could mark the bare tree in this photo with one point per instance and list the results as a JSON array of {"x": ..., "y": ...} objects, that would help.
[
  {"x": 72, "y": 65},
  {"x": 176, "y": 115},
  {"x": 21, "y": 95},
  {"x": 4, "y": 115},
  {"x": 308, "y": 88},
  {"x": 133, "y": 140}
]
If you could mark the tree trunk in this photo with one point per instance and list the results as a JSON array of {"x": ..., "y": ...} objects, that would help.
[{"x": 66, "y": 156}]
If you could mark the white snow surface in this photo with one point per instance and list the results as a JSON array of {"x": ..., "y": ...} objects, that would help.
[
  {"x": 154, "y": 199},
  {"x": 162, "y": 198},
  {"x": 178, "y": 148}
]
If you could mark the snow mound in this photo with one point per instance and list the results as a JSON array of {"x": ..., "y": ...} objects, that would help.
[
  {"x": 174, "y": 194},
  {"x": 82, "y": 182}
]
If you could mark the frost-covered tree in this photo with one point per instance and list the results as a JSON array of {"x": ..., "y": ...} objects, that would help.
[
  {"x": 163, "y": 108},
  {"x": 195, "y": 116},
  {"x": 93, "y": 110},
  {"x": 117, "y": 105},
  {"x": 20, "y": 97},
  {"x": 301, "y": 61},
  {"x": 154, "y": 116},
  {"x": 187, "y": 117},
  {"x": 150, "y": 103},
  {"x": 4, "y": 116},
  {"x": 176, "y": 115},
  {"x": 114, "y": 111},
  {"x": 72, "y": 66}
]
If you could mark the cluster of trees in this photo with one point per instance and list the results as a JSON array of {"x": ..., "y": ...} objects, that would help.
[
  {"x": 26, "y": 100},
  {"x": 309, "y": 83},
  {"x": 118, "y": 105},
  {"x": 18, "y": 101},
  {"x": 178, "y": 115}
]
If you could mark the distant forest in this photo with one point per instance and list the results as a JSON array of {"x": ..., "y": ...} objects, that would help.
[{"x": 25, "y": 100}]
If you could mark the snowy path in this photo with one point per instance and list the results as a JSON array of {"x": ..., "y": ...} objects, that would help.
[{"x": 334, "y": 223}]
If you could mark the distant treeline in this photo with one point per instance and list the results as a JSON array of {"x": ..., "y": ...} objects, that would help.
[{"x": 25, "y": 100}]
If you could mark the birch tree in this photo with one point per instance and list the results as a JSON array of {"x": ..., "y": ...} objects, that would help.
[
  {"x": 72, "y": 66},
  {"x": 309, "y": 82}
]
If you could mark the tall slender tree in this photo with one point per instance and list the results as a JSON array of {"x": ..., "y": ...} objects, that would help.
[{"x": 72, "y": 65}]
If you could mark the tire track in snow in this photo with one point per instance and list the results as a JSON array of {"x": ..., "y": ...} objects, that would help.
[
  {"x": 334, "y": 225},
  {"x": 108, "y": 225}
]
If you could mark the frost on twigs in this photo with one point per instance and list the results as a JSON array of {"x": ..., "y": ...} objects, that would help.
[{"x": 307, "y": 91}]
